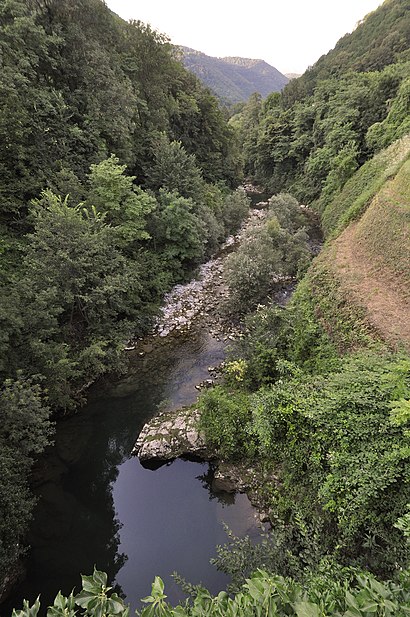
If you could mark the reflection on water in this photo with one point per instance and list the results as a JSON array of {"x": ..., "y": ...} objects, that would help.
[
  {"x": 97, "y": 505},
  {"x": 170, "y": 523}
]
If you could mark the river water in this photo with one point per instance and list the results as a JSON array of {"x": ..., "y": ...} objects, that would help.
[{"x": 98, "y": 505}]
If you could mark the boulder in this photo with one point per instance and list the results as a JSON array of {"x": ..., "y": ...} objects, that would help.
[{"x": 170, "y": 435}]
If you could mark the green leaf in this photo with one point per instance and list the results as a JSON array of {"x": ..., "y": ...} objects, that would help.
[
  {"x": 115, "y": 604},
  {"x": 371, "y": 607},
  {"x": 148, "y": 611},
  {"x": 27, "y": 610},
  {"x": 157, "y": 587},
  {"x": 100, "y": 578},
  {"x": 84, "y": 598},
  {"x": 307, "y": 609},
  {"x": 89, "y": 584}
]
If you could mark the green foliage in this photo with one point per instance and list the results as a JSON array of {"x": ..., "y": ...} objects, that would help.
[
  {"x": 339, "y": 454},
  {"x": 97, "y": 85},
  {"x": 396, "y": 124},
  {"x": 177, "y": 232},
  {"x": 295, "y": 549},
  {"x": 400, "y": 412},
  {"x": 175, "y": 170},
  {"x": 288, "y": 212},
  {"x": 76, "y": 298},
  {"x": 95, "y": 599},
  {"x": 24, "y": 432},
  {"x": 313, "y": 344},
  {"x": 124, "y": 205},
  {"x": 268, "y": 253},
  {"x": 224, "y": 416},
  {"x": 28, "y": 141},
  {"x": 325, "y": 312},
  {"x": 326, "y": 124},
  {"x": 318, "y": 143},
  {"x": 263, "y": 346},
  {"x": 235, "y": 208},
  {"x": 360, "y": 595},
  {"x": 352, "y": 200},
  {"x": 236, "y": 370},
  {"x": 247, "y": 126}
]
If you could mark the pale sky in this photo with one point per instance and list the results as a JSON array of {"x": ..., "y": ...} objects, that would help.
[{"x": 288, "y": 34}]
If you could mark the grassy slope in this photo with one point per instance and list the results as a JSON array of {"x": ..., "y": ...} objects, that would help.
[
  {"x": 358, "y": 289},
  {"x": 359, "y": 190}
]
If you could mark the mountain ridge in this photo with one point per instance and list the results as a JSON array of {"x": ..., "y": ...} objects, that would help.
[{"x": 233, "y": 78}]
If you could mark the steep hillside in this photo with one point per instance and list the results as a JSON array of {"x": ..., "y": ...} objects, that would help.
[
  {"x": 354, "y": 102},
  {"x": 379, "y": 40},
  {"x": 351, "y": 201},
  {"x": 372, "y": 260},
  {"x": 234, "y": 79},
  {"x": 359, "y": 287}
]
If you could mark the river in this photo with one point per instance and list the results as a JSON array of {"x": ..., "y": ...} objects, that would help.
[{"x": 99, "y": 505}]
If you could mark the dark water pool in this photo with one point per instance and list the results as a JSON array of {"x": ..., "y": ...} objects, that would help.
[{"x": 98, "y": 505}]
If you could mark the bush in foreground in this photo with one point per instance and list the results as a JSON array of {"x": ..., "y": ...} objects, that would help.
[{"x": 262, "y": 594}]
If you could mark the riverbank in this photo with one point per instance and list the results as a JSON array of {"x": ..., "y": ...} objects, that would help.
[
  {"x": 199, "y": 302},
  {"x": 86, "y": 480},
  {"x": 175, "y": 434},
  {"x": 202, "y": 305}
]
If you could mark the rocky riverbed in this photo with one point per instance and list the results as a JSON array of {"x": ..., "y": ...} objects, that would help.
[
  {"x": 200, "y": 301},
  {"x": 199, "y": 304}
]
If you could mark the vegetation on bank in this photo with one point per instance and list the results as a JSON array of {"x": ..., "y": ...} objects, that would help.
[
  {"x": 273, "y": 251},
  {"x": 117, "y": 171},
  {"x": 319, "y": 392},
  {"x": 91, "y": 240},
  {"x": 311, "y": 138},
  {"x": 356, "y": 595}
]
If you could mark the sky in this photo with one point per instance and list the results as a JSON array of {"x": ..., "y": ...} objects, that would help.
[{"x": 288, "y": 34}]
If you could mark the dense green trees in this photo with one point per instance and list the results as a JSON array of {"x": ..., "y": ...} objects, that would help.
[
  {"x": 312, "y": 137},
  {"x": 78, "y": 83},
  {"x": 116, "y": 165},
  {"x": 313, "y": 147},
  {"x": 274, "y": 249},
  {"x": 75, "y": 284}
]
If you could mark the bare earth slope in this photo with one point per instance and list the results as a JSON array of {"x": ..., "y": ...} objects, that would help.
[{"x": 372, "y": 261}]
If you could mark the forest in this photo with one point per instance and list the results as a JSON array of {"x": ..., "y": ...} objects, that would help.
[
  {"x": 117, "y": 171},
  {"x": 120, "y": 175}
]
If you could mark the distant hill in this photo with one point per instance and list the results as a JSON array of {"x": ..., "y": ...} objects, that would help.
[{"x": 234, "y": 79}]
